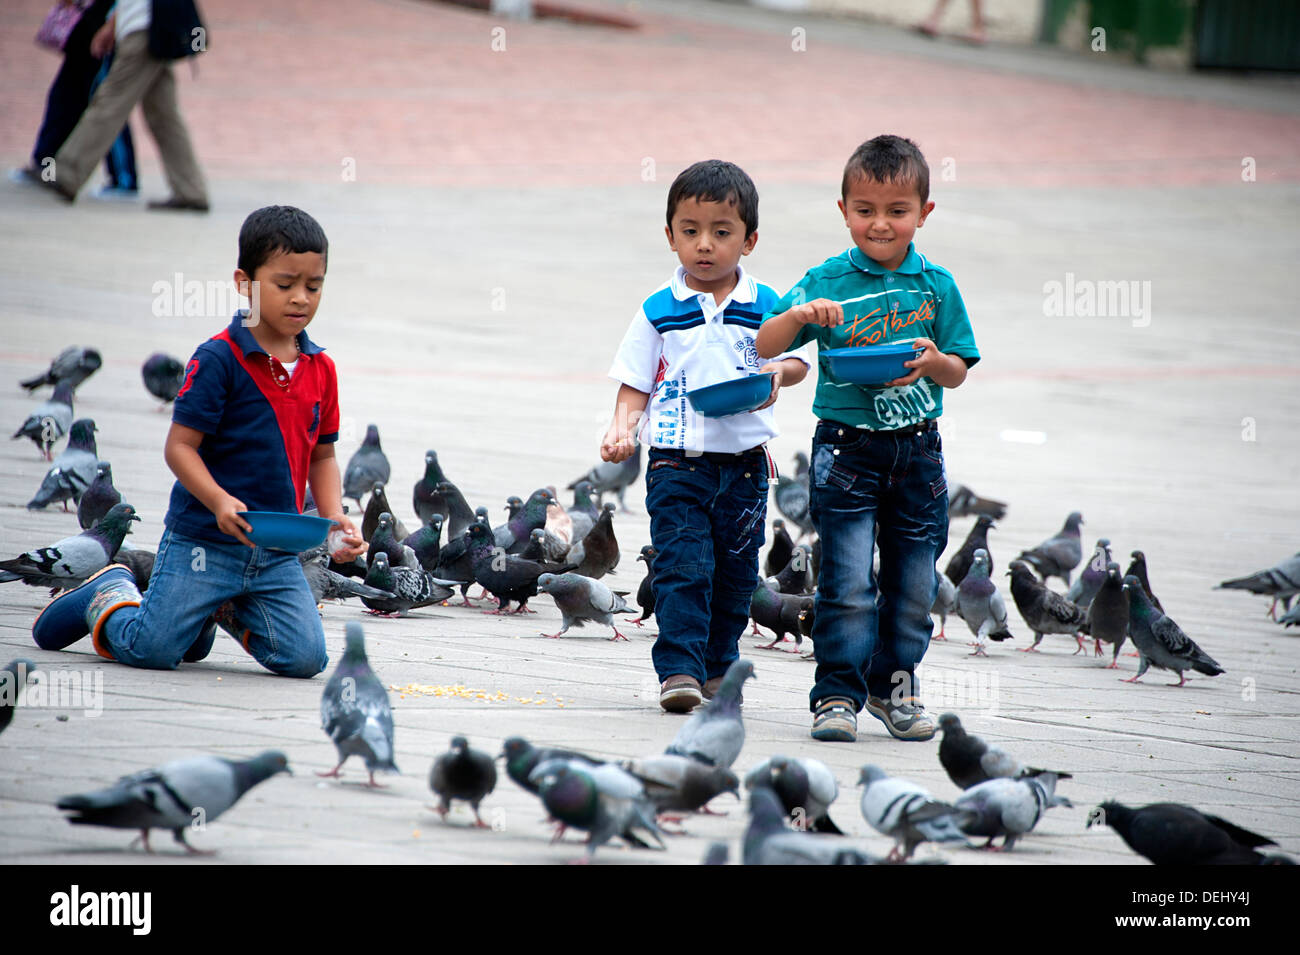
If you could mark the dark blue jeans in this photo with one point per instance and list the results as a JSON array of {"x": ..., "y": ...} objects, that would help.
[
  {"x": 889, "y": 490},
  {"x": 707, "y": 517}
]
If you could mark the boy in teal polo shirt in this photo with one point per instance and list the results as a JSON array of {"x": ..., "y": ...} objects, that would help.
[{"x": 877, "y": 474}]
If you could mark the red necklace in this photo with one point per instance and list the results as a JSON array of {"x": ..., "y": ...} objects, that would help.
[{"x": 278, "y": 372}]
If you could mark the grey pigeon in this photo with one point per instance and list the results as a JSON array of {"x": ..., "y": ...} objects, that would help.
[
  {"x": 581, "y": 599},
  {"x": 679, "y": 784},
  {"x": 963, "y": 502},
  {"x": 1059, "y": 555},
  {"x": 805, "y": 786},
  {"x": 367, "y": 467},
  {"x": 768, "y": 841},
  {"x": 72, "y": 471},
  {"x": 778, "y": 555},
  {"x": 978, "y": 538},
  {"x": 605, "y": 800},
  {"x": 411, "y": 589},
  {"x": 72, "y": 366},
  {"x": 1168, "y": 833},
  {"x": 1043, "y": 609},
  {"x": 354, "y": 710},
  {"x": 49, "y": 421},
  {"x": 163, "y": 376},
  {"x": 522, "y": 757},
  {"x": 99, "y": 498},
  {"x": 981, "y": 606},
  {"x": 1160, "y": 641},
  {"x": 907, "y": 813},
  {"x": 177, "y": 796},
  {"x": 1291, "y": 618},
  {"x": 1007, "y": 807},
  {"x": 73, "y": 559},
  {"x": 715, "y": 734},
  {"x": 1281, "y": 582},
  {"x": 780, "y": 613},
  {"x": 791, "y": 496},
  {"x": 597, "y": 554},
  {"x": 945, "y": 602},
  {"x": 969, "y": 761},
  {"x": 325, "y": 584},
  {"x": 1108, "y": 614},
  {"x": 140, "y": 562},
  {"x": 465, "y": 775},
  {"x": 1087, "y": 584},
  {"x": 13, "y": 677},
  {"x": 608, "y": 477}
]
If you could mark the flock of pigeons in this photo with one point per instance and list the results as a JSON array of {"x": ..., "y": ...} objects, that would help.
[{"x": 564, "y": 552}]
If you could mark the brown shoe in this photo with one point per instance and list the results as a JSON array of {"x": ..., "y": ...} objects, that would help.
[
  {"x": 183, "y": 205},
  {"x": 711, "y": 687},
  {"x": 680, "y": 693}
]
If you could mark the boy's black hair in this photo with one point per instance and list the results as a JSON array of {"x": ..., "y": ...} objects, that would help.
[
  {"x": 713, "y": 180},
  {"x": 273, "y": 229},
  {"x": 888, "y": 159}
]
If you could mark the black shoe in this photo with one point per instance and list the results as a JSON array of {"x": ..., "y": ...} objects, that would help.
[{"x": 183, "y": 205}]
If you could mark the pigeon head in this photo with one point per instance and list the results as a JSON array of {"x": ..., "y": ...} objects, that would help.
[
  {"x": 608, "y": 508},
  {"x": 1112, "y": 572},
  {"x": 386, "y": 522},
  {"x": 513, "y": 504},
  {"x": 778, "y": 524},
  {"x": 582, "y": 495},
  {"x": 538, "y": 534},
  {"x": 118, "y": 520},
  {"x": 82, "y": 435},
  {"x": 104, "y": 470},
  {"x": 1072, "y": 523},
  {"x": 1018, "y": 570},
  {"x": 515, "y": 747},
  {"x": 480, "y": 535},
  {"x": 1138, "y": 604},
  {"x": 250, "y": 772},
  {"x": 949, "y": 723},
  {"x": 1106, "y": 813},
  {"x": 372, "y": 436},
  {"x": 435, "y": 523},
  {"x": 459, "y": 744},
  {"x": 480, "y": 513},
  {"x": 871, "y": 774},
  {"x": 648, "y": 553},
  {"x": 538, "y": 501},
  {"x": 90, "y": 361},
  {"x": 379, "y": 573},
  {"x": 984, "y": 521},
  {"x": 545, "y": 581},
  {"x": 355, "y": 640},
  {"x": 979, "y": 566}
]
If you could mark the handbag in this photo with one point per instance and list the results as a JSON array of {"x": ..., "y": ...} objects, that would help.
[{"x": 54, "y": 32}]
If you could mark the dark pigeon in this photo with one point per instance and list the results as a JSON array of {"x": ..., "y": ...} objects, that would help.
[
  {"x": 139, "y": 562},
  {"x": 163, "y": 376},
  {"x": 1160, "y": 641},
  {"x": 354, "y": 710},
  {"x": 1138, "y": 568},
  {"x": 612, "y": 478},
  {"x": 459, "y": 515},
  {"x": 13, "y": 677},
  {"x": 1044, "y": 610},
  {"x": 411, "y": 589},
  {"x": 426, "y": 498},
  {"x": 514, "y": 504},
  {"x": 969, "y": 760},
  {"x": 605, "y": 801},
  {"x": 383, "y": 541},
  {"x": 72, "y": 366},
  {"x": 580, "y": 599},
  {"x": 456, "y": 563},
  {"x": 49, "y": 421},
  {"x": 1058, "y": 556},
  {"x": 1167, "y": 833},
  {"x": 597, "y": 554},
  {"x": 780, "y": 613},
  {"x": 963, "y": 502},
  {"x": 426, "y": 543},
  {"x": 522, "y": 757},
  {"x": 805, "y": 786},
  {"x": 1087, "y": 584},
  {"x": 463, "y": 774},
  {"x": 514, "y": 534},
  {"x": 1108, "y": 614},
  {"x": 378, "y": 504},
  {"x": 801, "y": 466},
  {"x": 715, "y": 734},
  {"x": 978, "y": 539},
  {"x": 99, "y": 498},
  {"x": 796, "y": 576},
  {"x": 72, "y": 471},
  {"x": 645, "y": 591},
  {"x": 73, "y": 559},
  {"x": 325, "y": 584},
  {"x": 778, "y": 555},
  {"x": 173, "y": 796},
  {"x": 506, "y": 577},
  {"x": 367, "y": 467},
  {"x": 1281, "y": 582}
]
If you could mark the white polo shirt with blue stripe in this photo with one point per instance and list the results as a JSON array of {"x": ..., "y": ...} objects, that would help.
[{"x": 682, "y": 340}]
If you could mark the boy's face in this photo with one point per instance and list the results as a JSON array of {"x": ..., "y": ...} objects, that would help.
[
  {"x": 882, "y": 218},
  {"x": 709, "y": 239},
  {"x": 289, "y": 289}
]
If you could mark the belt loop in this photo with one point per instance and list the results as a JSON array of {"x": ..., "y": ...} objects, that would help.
[{"x": 772, "y": 474}]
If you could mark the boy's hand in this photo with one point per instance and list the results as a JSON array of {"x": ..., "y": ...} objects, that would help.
[
  {"x": 353, "y": 544},
  {"x": 228, "y": 520},
  {"x": 778, "y": 378},
  {"x": 930, "y": 360},
  {"x": 618, "y": 443},
  {"x": 820, "y": 311}
]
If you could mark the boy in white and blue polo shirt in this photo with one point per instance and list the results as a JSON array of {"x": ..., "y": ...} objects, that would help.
[{"x": 707, "y": 478}]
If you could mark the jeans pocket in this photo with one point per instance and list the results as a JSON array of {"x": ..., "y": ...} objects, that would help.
[
  {"x": 827, "y": 471},
  {"x": 932, "y": 446}
]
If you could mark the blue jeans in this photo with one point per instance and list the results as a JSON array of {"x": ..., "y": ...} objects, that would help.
[
  {"x": 192, "y": 578},
  {"x": 707, "y": 515},
  {"x": 889, "y": 490}
]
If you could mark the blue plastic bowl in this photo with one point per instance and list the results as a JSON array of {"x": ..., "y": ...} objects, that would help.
[
  {"x": 292, "y": 532},
  {"x": 871, "y": 364},
  {"x": 731, "y": 397}
]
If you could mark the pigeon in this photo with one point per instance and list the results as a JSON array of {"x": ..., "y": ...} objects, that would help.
[
  {"x": 426, "y": 498},
  {"x": 1281, "y": 582},
  {"x": 13, "y": 677},
  {"x": 426, "y": 543},
  {"x": 459, "y": 514},
  {"x": 70, "y": 561},
  {"x": 1138, "y": 568},
  {"x": 522, "y": 757},
  {"x": 645, "y": 591},
  {"x": 163, "y": 376},
  {"x": 805, "y": 786},
  {"x": 796, "y": 577},
  {"x": 969, "y": 760},
  {"x": 679, "y": 784},
  {"x": 978, "y": 538},
  {"x": 1167, "y": 833},
  {"x": 411, "y": 589},
  {"x": 1291, "y": 618},
  {"x": 597, "y": 554},
  {"x": 1159, "y": 640},
  {"x": 507, "y": 578},
  {"x": 1108, "y": 614},
  {"x": 792, "y": 501},
  {"x": 455, "y": 563},
  {"x": 99, "y": 498},
  {"x": 139, "y": 562},
  {"x": 383, "y": 542},
  {"x": 325, "y": 584},
  {"x": 907, "y": 813},
  {"x": 177, "y": 796},
  {"x": 778, "y": 555},
  {"x": 584, "y": 512},
  {"x": 378, "y": 504},
  {"x": 801, "y": 466},
  {"x": 514, "y": 504},
  {"x": 581, "y": 599},
  {"x": 1087, "y": 584},
  {"x": 945, "y": 601},
  {"x": 605, "y": 800},
  {"x": 354, "y": 710},
  {"x": 1007, "y": 808},
  {"x": 72, "y": 366},
  {"x": 780, "y": 613},
  {"x": 714, "y": 734},
  {"x": 715, "y": 854},
  {"x": 538, "y": 551},
  {"x": 981, "y": 606},
  {"x": 463, "y": 774},
  {"x": 963, "y": 502},
  {"x": 72, "y": 471},
  {"x": 1043, "y": 609},
  {"x": 367, "y": 467},
  {"x": 513, "y": 535},
  {"x": 768, "y": 841},
  {"x": 49, "y": 421},
  {"x": 608, "y": 477},
  {"x": 1058, "y": 556},
  {"x": 559, "y": 528}
]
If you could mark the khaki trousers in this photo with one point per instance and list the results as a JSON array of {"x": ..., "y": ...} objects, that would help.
[{"x": 135, "y": 77}]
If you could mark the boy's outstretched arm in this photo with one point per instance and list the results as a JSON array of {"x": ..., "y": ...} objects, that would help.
[
  {"x": 326, "y": 488},
  {"x": 780, "y": 330},
  {"x": 620, "y": 438},
  {"x": 788, "y": 371},
  {"x": 181, "y": 452}
]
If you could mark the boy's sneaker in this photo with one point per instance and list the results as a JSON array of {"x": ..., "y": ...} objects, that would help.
[
  {"x": 680, "y": 693},
  {"x": 711, "y": 687},
  {"x": 906, "y": 719},
  {"x": 835, "y": 720}
]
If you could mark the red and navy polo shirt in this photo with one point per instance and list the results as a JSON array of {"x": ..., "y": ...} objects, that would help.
[{"x": 257, "y": 437}]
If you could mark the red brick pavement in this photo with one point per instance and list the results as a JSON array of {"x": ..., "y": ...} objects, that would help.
[{"x": 413, "y": 92}]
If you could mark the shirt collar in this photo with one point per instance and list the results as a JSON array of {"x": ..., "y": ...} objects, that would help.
[
  {"x": 743, "y": 292},
  {"x": 241, "y": 336},
  {"x": 913, "y": 263}
]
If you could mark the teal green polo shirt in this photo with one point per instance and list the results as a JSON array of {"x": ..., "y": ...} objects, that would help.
[{"x": 917, "y": 300}]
